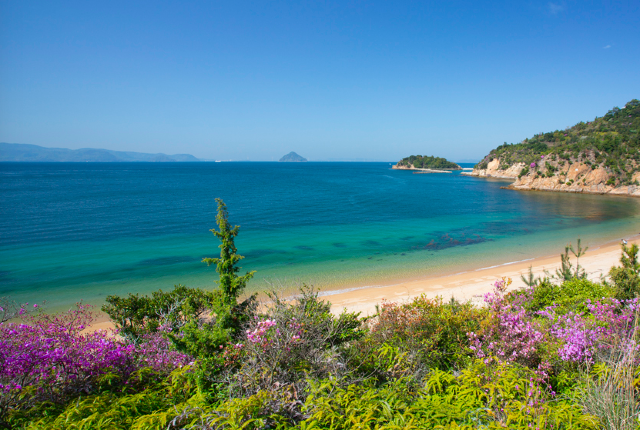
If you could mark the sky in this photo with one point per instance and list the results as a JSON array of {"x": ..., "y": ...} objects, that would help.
[{"x": 331, "y": 80}]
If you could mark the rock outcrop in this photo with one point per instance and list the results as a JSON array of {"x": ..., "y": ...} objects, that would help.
[{"x": 551, "y": 175}]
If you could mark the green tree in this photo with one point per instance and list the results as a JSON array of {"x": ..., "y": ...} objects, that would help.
[
  {"x": 204, "y": 339},
  {"x": 138, "y": 315},
  {"x": 626, "y": 279},
  {"x": 230, "y": 312}
]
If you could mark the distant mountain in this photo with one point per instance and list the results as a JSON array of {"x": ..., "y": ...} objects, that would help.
[
  {"x": 24, "y": 152},
  {"x": 292, "y": 157}
]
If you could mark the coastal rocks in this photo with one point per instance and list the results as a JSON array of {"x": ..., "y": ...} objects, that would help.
[
  {"x": 577, "y": 177},
  {"x": 493, "y": 170}
]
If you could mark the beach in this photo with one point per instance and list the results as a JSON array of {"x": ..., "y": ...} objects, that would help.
[
  {"x": 472, "y": 285},
  {"x": 462, "y": 285}
]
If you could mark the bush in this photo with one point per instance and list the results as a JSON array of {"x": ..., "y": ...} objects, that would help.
[
  {"x": 571, "y": 295},
  {"x": 291, "y": 342},
  {"x": 626, "y": 278},
  {"x": 493, "y": 396},
  {"x": 63, "y": 362},
  {"x": 433, "y": 334},
  {"x": 136, "y": 316}
]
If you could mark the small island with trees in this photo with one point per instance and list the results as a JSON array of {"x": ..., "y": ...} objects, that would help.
[{"x": 419, "y": 162}]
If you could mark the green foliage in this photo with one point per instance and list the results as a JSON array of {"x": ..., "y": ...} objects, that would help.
[
  {"x": 523, "y": 172},
  {"x": 531, "y": 280},
  {"x": 611, "y": 142},
  {"x": 569, "y": 296},
  {"x": 626, "y": 278},
  {"x": 115, "y": 408},
  {"x": 135, "y": 315},
  {"x": 230, "y": 283},
  {"x": 428, "y": 162},
  {"x": 433, "y": 334},
  {"x": 482, "y": 396},
  {"x": 230, "y": 315},
  {"x": 566, "y": 273}
]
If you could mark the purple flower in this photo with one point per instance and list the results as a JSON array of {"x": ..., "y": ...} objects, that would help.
[
  {"x": 533, "y": 165},
  {"x": 52, "y": 351}
]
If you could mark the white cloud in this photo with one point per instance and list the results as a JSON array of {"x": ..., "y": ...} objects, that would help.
[
  {"x": 607, "y": 47},
  {"x": 555, "y": 9}
]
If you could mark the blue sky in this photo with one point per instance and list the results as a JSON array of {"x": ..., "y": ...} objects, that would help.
[{"x": 374, "y": 80}]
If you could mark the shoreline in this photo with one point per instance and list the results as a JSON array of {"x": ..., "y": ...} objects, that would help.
[
  {"x": 463, "y": 285},
  {"x": 473, "y": 284}
]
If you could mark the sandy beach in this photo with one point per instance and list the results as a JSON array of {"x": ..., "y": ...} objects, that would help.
[
  {"x": 466, "y": 285},
  {"x": 472, "y": 285}
]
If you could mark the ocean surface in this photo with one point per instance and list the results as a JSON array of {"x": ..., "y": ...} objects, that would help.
[{"x": 71, "y": 231}]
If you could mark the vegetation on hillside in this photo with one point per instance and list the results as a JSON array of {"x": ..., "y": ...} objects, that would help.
[
  {"x": 428, "y": 162},
  {"x": 561, "y": 353},
  {"x": 611, "y": 142}
]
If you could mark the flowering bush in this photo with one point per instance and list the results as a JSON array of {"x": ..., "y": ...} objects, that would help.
[
  {"x": 293, "y": 341},
  {"x": 51, "y": 358},
  {"x": 10, "y": 309},
  {"x": 508, "y": 331},
  {"x": 583, "y": 335}
]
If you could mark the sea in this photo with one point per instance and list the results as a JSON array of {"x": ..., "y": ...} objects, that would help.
[{"x": 83, "y": 231}]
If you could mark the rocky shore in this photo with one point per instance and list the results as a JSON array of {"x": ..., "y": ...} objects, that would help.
[{"x": 561, "y": 176}]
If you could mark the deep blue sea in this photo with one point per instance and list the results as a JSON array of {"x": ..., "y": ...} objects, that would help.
[{"x": 71, "y": 231}]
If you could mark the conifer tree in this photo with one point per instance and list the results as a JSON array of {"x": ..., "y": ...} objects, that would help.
[{"x": 231, "y": 285}]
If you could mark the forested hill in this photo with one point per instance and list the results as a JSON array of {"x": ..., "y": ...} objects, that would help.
[
  {"x": 601, "y": 156},
  {"x": 426, "y": 162}
]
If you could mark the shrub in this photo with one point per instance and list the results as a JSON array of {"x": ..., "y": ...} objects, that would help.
[
  {"x": 571, "y": 295},
  {"x": 48, "y": 358},
  {"x": 507, "y": 330},
  {"x": 137, "y": 316},
  {"x": 292, "y": 341},
  {"x": 493, "y": 396},
  {"x": 609, "y": 389},
  {"x": 626, "y": 278},
  {"x": 432, "y": 333},
  {"x": 581, "y": 336}
]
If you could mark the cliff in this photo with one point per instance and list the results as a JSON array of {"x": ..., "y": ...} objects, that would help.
[{"x": 599, "y": 157}]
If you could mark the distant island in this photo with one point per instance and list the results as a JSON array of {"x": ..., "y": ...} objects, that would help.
[
  {"x": 419, "y": 162},
  {"x": 598, "y": 157},
  {"x": 292, "y": 157},
  {"x": 32, "y": 153}
]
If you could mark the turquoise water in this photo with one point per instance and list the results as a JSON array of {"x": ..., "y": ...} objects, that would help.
[{"x": 73, "y": 231}]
